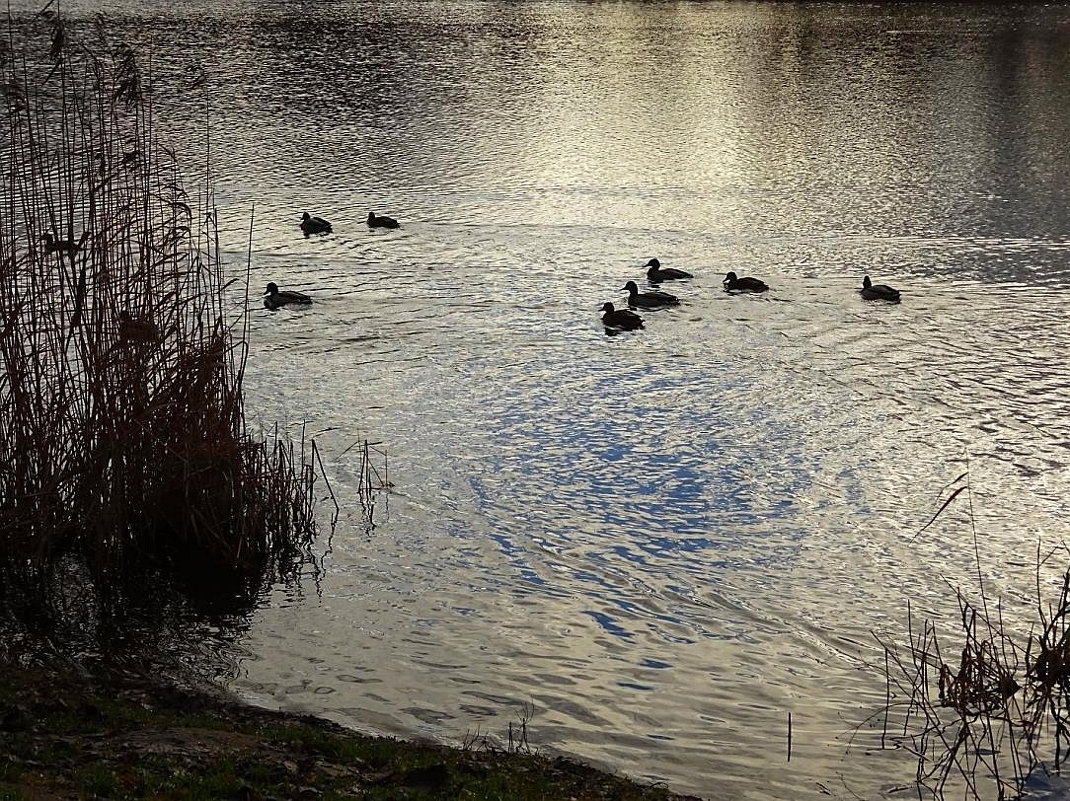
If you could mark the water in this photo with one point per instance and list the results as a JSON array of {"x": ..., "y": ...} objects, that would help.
[{"x": 663, "y": 542}]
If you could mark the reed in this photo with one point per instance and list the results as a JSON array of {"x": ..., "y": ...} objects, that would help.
[
  {"x": 127, "y": 470},
  {"x": 985, "y": 706}
]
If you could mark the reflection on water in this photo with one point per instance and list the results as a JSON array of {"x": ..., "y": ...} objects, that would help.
[{"x": 665, "y": 540}]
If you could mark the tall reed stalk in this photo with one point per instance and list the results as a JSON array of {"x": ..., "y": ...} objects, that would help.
[{"x": 125, "y": 463}]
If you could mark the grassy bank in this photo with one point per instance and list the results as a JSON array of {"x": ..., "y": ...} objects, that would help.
[{"x": 66, "y": 735}]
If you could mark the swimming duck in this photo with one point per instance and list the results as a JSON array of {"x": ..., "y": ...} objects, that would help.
[
  {"x": 53, "y": 245},
  {"x": 733, "y": 283},
  {"x": 649, "y": 300},
  {"x": 314, "y": 225},
  {"x": 871, "y": 291},
  {"x": 620, "y": 318},
  {"x": 656, "y": 272},
  {"x": 137, "y": 329},
  {"x": 381, "y": 221},
  {"x": 273, "y": 298}
]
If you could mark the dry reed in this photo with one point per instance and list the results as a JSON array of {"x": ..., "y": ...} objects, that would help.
[
  {"x": 985, "y": 714},
  {"x": 127, "y": 469}
]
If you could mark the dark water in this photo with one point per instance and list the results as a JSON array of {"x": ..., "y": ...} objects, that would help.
[{"x": 663, "y": 542}]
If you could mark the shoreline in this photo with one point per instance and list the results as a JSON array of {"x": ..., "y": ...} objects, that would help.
[{"x": 66, "y": 733}]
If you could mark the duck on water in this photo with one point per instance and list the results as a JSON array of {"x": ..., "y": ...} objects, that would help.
[
  {"x": 649, "y": 300},
  {"x": 314, "y": 225},
  {"x": 274, "y": 299},
  {"x": 733, "y": 283},
  {"x": 620, "y": 318},
  {"x": 381, "y": 221},
  {"x": 53, "y": 245},
  {"x": 656, "y": 273},
  {"x": 137, "y": 329},
  {"x": 871, "y": 291}
]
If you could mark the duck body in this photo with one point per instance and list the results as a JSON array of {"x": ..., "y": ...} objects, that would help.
[
  {"x": 137, "y": 329},
  {"x": 314, "y": 225},
  {"x": 871, "y": 291},
  {"x": 656, "y": 273},
  {"x": 53, "y": 245},
  {"x": 381, "y": 221},
  {"x": 733, "y": 283},
  {"x": 274, "y": 299},
  {"x": 620, "y": 318},
  {"x": 649, "y": 300}
]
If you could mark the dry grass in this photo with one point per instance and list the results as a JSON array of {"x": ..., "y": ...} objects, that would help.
[{"x": 127, "y": 469}]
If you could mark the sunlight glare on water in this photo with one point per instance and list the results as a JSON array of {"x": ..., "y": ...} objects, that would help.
[{"x": 664, "y": 541}]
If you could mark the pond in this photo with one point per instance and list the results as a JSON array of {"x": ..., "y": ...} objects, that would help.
[{"x": 654, "y": 546}]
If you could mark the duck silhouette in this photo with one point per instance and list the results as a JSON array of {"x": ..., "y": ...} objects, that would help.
[
  {"x": 620, "y": 318},
  {"x": 314, "y": 225},
  {"x": 53, "y": 245},
  {"x": 274, "y": 299},
  {"x": 137, "y": 329},
  {"x": 733, "y": 283},
  {"x": 381, "y": 221},
  {"x": 649, "y": 300},
  {"x": 871, "y": 291},
  {"x": 656, "y": 273}
]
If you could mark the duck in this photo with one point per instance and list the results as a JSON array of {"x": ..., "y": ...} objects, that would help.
[
  {"x": 53, "y": 245},
  {"x": 274, "y": 299},
  {"x": 620, "y": 318},
  {"x": 871, "y": 291},
  {"x": 733, "y": 283},
  {"x": 314, "y": 225},
  {"x": 381, "y": 221},
  {"x": 655, "y": 272},
  {"x": 137, "y": 329},
  {"x": 649, "y": 300}
]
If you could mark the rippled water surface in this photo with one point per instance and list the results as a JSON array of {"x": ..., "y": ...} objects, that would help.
[{"x": 662, "y": 542}]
